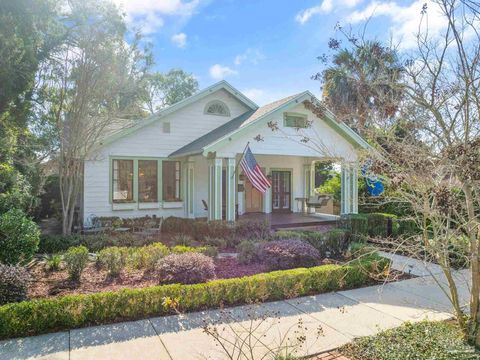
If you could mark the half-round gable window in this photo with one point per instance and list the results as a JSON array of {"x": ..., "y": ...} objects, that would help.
[{"x": 217, "y": 107}]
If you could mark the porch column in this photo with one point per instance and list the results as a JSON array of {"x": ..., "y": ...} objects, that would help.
[
  {"x": 267, "y": 197},
  {"x": 190, "y": 189},
  {"x": 231, "y": 190},
  {"x": 349, "y": 189},
  {"x": 215, "y": 189}
]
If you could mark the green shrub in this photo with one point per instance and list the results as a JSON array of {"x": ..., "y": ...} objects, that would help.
[
  {"x": 113, "y": 259},
  {"x": 287, "y": 234},
  {"x": 382, "y": 225},
  {"x": 97, "y": 242},
  {"x": 66, "y": 312},
  {"x": 406, "y": 227},
  {"x": 51, "y": 244},
  {"x": 217, "y": 242},
  {"x": 358, "y": 249},
  {"x": 332, "y": 243},
  {"x": 13, "y": 283},
  {"x": 356, "y": 224},
  {"x": 76, "y": 259},
  {"x": 182, "y": 239},
  {"x": 53, "y": 262},
  {"x": 208, "y": 250},
  {"x": 149, "y": 255},
  {"x": 248, "y": 251},
  {"x": 423, "y": 340},
  {"x": 19, "y": 237}
]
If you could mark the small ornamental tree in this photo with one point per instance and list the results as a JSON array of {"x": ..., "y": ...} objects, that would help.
[{"x": 19, "y": 237}]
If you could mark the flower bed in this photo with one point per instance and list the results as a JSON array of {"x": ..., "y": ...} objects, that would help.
[{"x": 71, "y": 311}]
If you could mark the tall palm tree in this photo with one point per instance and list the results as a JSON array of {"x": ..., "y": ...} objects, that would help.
[{"x": 362, "y": 83}]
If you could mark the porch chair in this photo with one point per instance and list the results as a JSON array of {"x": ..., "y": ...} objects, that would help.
[{"x": 319, "y": 201}]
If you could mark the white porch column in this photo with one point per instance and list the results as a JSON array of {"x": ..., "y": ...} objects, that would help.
[
  {"x": 349, "y": 189},
  {"x": 231, "y": 190},
  {"x": 190, "y": 189},
  {"x": 215, "y": 189},
  {"x": 267, "y": 197}
]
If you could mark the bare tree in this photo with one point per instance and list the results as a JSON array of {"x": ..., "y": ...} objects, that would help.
[
  {"x": 430, "y": 154},
  {"x": 90, "y": 87}
]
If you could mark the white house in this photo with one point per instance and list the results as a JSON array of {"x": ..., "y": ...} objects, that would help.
[{"x": 182, "y": 160}]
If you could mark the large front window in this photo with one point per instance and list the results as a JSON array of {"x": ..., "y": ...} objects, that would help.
[
  {"x": 147, "y": 181},
  {"x": 171, "y": 180},
  {"x": 122, "y": 180}
]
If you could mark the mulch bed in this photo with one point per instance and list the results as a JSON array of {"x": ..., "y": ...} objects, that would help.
[{"x": 47, "y": 284}]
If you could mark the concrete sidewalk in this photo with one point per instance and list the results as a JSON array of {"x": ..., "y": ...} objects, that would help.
[{"x": 338, "y": 316}]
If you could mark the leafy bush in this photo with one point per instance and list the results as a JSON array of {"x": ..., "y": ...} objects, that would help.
[
  {"x": 288, "y": 254},
  {"x": 358, "y": 249},
  {"x": 147, "y": 256},
  {"x": 423, "y": 340},
  {"x": 217, "y": 242},
  {"x": 50, "y": 244},
  {"x": 382, "y": 225},
  {"x": 209, "y": 250},
  {"x": 13, "y": 283},
  {"x": 182, "y": 239},
  {"x": 248, "y": 252},
  {"x": 187, "y": 268},
  {"x": 356, "y": 224},
  {"x": 97, "y": 242},
  {"x": 19, "y": 237},
  {"x": 66, "y": 312},
  {"x": 251, "y": 230},
  {"x": 76, "y": 259},
  {"x": 53, "y": 262},
  {"x": 113, "y": 259},
  {"x": 332, "y": 243}
]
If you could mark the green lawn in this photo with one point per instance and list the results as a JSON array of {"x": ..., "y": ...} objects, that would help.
[{"x": 426, "y": 340}]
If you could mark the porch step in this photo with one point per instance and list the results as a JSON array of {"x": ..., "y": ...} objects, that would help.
[{"x": 304, "y": 224}]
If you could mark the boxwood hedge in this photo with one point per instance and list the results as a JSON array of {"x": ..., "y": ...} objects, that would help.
[{"x": 71, "y": 311}]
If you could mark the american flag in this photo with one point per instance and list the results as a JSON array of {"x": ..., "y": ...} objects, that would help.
[{"x": 253, "y": 172}]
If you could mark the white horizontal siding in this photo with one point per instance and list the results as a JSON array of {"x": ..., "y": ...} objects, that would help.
[
  {"x": 325, "y": 142},
  {"x": 186, "y": 125}
]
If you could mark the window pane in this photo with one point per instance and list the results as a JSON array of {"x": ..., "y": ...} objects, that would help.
[
  {"x": 147, "y": 181},
  {"x": 295, "y": 121},
  {"x": 122, "y": 180},
  {"x": 171, "y": 180}
]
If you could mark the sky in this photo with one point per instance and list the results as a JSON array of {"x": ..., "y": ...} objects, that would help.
[{"x": 267, "y": 49}]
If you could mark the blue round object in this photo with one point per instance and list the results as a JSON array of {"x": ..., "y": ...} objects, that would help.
[{"x": 375, "y": 188}]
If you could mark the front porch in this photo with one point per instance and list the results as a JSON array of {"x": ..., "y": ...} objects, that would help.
[
  {"x": 225, "y": 193},
  {"x": 290, "y": 220}
]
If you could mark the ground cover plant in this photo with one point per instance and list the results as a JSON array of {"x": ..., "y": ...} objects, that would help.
[{"x": 424, "y": 340}]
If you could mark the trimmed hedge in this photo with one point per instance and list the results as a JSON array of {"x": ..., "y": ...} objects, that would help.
[{"x": 71, "y": 311}]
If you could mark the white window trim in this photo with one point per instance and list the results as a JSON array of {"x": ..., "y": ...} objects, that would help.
[
  {"x": 213, "y": 102},
  {"x": 303, "y": 116}
]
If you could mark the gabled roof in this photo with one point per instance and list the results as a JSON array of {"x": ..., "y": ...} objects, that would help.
[
  {"x": 235, "y": 127},
  {"x": 138, "y": 124}
]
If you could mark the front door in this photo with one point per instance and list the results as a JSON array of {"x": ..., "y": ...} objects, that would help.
[
  {"x": 281, "y": 191},
  {"x": 253, "y": 198}
]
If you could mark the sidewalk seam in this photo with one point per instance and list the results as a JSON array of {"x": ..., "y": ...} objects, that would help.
[{"x": 159, "y": 338}]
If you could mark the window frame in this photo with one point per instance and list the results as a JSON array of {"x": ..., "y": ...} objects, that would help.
[
  {"x": 177, "y": 181},
  {"x": 112, "y": 182},
  {"x": 156, "y": 199},
  {"x": 216, "y": 102},
  {"x": 303, "y": 117}
]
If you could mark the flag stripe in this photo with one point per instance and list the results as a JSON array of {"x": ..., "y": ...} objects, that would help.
[{"x": 254, "y": 172}]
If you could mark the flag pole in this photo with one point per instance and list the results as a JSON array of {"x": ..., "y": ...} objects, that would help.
[{"x": 241, "y": 157}]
